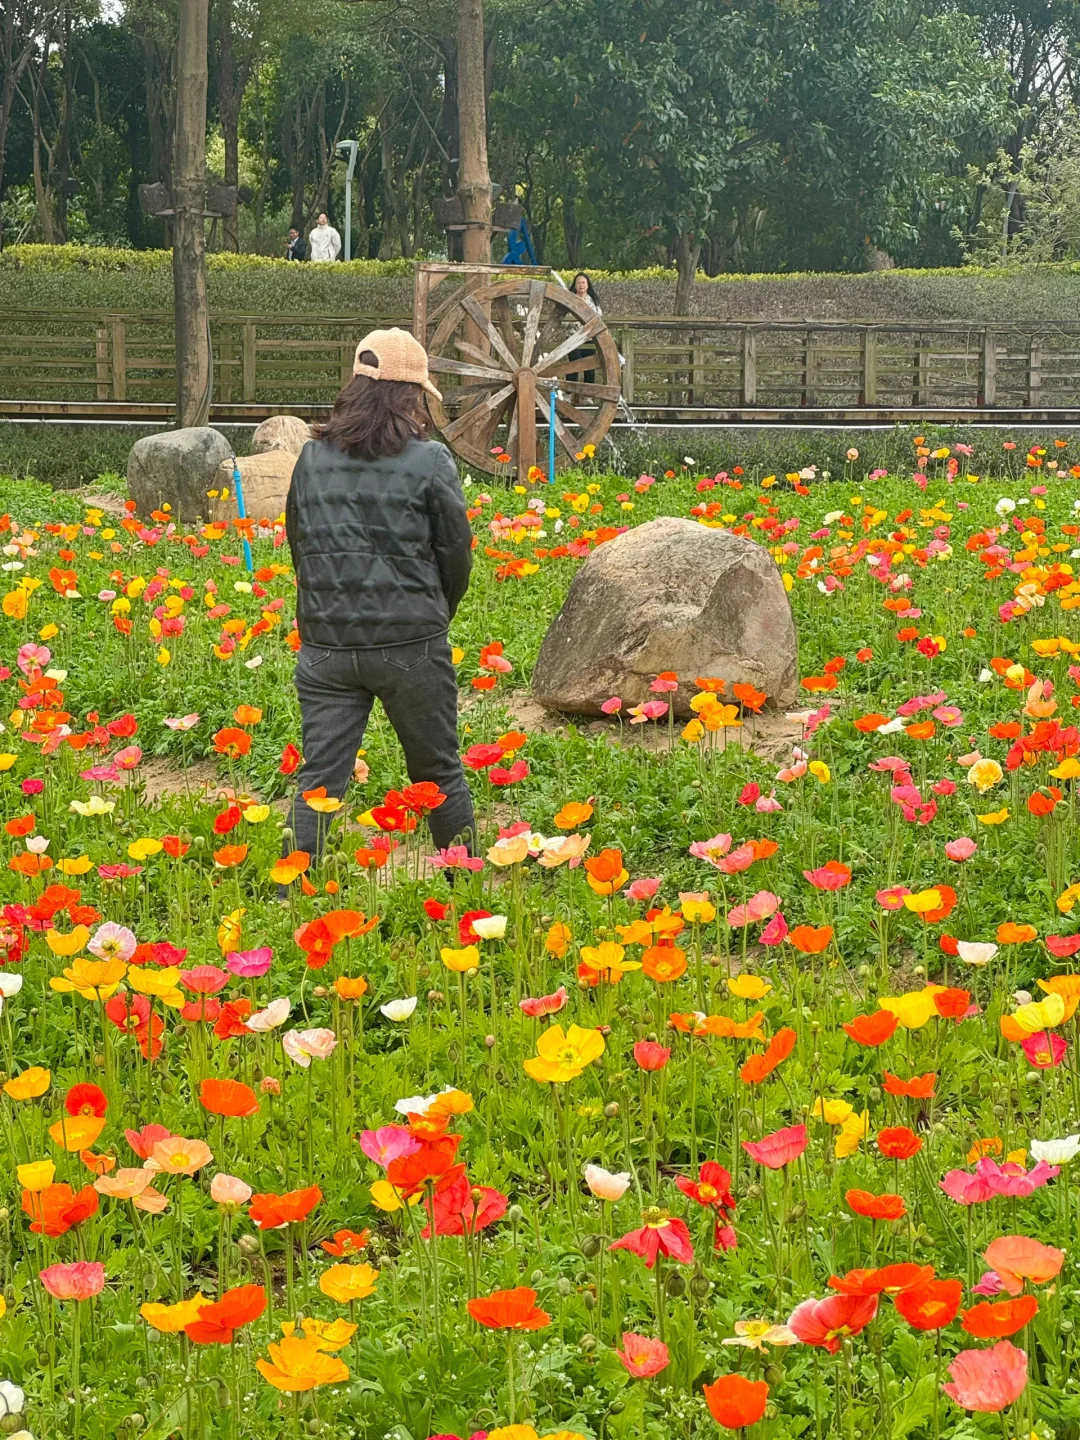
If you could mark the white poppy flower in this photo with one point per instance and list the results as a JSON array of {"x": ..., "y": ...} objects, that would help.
[{"x": 398, "y": 1009}]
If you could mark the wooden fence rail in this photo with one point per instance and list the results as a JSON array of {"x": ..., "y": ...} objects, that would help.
[{"x": 708, "y": 367}]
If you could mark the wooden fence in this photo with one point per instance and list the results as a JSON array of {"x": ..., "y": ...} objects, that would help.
[{"x": 80, "y": 360}]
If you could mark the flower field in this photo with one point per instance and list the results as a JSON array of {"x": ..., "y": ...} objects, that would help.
[{"x": 732, "y": 1087}]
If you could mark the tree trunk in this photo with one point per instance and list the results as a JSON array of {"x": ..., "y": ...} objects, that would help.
[
  {"x": 229, "y": 114},
  {"x": 13, "y": 63},
  {"x": 573, "y": 230},
  {"x": 474, "y": 179},
  {"x": 687, "y": 255},
  {"x": 66, "y": 129},
  {"x": 41, "y": 190},
  {"x": 189, "y": 239}
]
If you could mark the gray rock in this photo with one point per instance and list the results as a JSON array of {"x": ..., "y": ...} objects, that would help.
[
  {"x": 669, "y": 595},
  {"x": 176, "y": 467}
]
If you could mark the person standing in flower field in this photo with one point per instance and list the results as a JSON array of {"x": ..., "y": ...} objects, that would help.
[{"x": 382, "y": 548}]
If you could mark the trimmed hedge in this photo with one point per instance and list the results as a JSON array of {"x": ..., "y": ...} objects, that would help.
[
  {"x": 76, "y": 277},
  {"x": 69, "y": 456}
]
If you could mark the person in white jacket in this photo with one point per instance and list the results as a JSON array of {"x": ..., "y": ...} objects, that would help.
[{"x": 324, "y": 242}]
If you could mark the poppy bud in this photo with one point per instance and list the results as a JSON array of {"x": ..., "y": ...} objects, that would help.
[
  {"x": 248, "y": 1245},
  {"x": 424, "y": 971},
  {"x": 515, "y": 1214},
  {"x": 589, "y": 1301},
  {"x": 489, "y": 1041},
  {"x": 999, "y": 1110},
  {"x": 588, "y": 1342},
  {"x": 564, "y": 1286},
  {"x": 472, "y": 972},
  {"x": 815, "y": 1027},
  {"x": 269, "y": 1085},
  {"x": 611, "y": 1111},
  {"x": 591, "y": 1246},
  {"x": 700, "y": 1286},
  {"x": 319, "y": 992},
  {"x": 536, "y": 1277},
  {"x": 43, "y": 1358},
  {"x": 646, "y": 1017},
  {"x": 874, "y": 1094},
  {"x": 198, "y": 842},
  {"x": 863, "y": 971},
  {"x": 753, "y": 1192},
  {"x": 223, "y": 1395},
  {"x": 136, "y": 1420},
  {"x": 1066, "y": 1327},
  {"x": 1033, "y": 1077},
  {"x": 797, "y": 1212},
  {"x": 436, "y": 997},
  {"x": 774, "y": 1374},
  {"x": 675, "y": 1285},
  {"x": 715, "y": 962},
  {"x": 166, "y": 1086},
  {"x": 616, "y": 1407},
  {"x": 919, "y": 970},
  {"x": 99, "y": 1062}
]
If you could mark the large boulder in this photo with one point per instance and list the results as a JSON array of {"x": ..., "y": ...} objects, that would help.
[
  {"x": 176, "y": 468},
  {"x": 668, "y": 595},
  {"x": 265, "y": 474}
]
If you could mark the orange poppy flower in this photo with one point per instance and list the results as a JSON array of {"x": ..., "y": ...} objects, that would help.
[
  {"x": 605, "y": 872},
  {"x": 217, "y": 1321},
  {"x": 247, "y": 715},
  {"x": 871, "y": 1029},
  {"x": 898, "y": 1142},
  {"x": 996, "y": 1320},
  {"x": 723, "y": 1027},
  {"x": 736, "y": 1402},
  {"x": 229, "y": 855},
  {"x": 760, "y": 1067},
  {"x": 931, "y": 1306},
  {"x": 921, "y": 730},
  {"x": 710, "y": 684},
  {"x": 1010, "y": 933},
  {"x": 763, "y": 849},
  {"x": 20, "y": 826},
  {"x": 573, "y": 814},
  {"x": 232, "y": 742},
  {"x": 809, "y": 940},
  {"x": 867, "y": 724},
  {"x": 1017, "y": 1258},
  {"x": 876, "y": 1207},
  {"x": 273, "y": 1212},
  {"x": 227, "y": 1097},
  {"x": 351, "y": 987},
  {"x": 371, "y": 859},
  {"x": 509, "y": 1310},
  {"x": 663, "y": 963},
  {"x": 952, "y": 1004},
  {"x": 818, "y": 684},
  {"x": 57, "y": 1209},
  {"x": 346, "y": 1243},
  {"x": 920, "y": 1087},
  {"x": 748, "y": 697}
]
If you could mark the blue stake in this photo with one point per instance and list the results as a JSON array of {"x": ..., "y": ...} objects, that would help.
[
  {"x": 551, "y": 437},
  {"x": 249, "y": 565}
]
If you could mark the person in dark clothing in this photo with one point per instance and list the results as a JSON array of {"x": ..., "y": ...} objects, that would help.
[
  {"x": 382, "y": 549},
  {"x": 297, "y": 246}
]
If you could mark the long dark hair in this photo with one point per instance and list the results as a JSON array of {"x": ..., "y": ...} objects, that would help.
[
  {"x": 374, "y": 418},
  {"x": 589, "y": 287}
]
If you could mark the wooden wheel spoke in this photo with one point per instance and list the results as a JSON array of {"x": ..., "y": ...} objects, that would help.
[
  {"x": 593, "y": 392},
  {"x": 476, "y": 312},
  {"x": 444, "y": 365},
  {"x": 537, "y": 291},
  {"x": 572, "y": 342},
  {"x": 579, "y": 417},
  {"x": 477, "y": 413},
  {"x": 482, "y": 357}
]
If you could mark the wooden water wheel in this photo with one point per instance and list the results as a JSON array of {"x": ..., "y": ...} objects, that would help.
[{"x": 500, "y": 350}]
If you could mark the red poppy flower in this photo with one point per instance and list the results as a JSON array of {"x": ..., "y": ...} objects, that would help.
[
  {"x": 876, "y": 1207},
  {"x": 994, "y": 1320},
  {"x": 509, "y": 1310},
  {"x": 434, "y": 1159},
  {"x": 888, "y": 1280},
  {"x": 57, "y": 1209},
  {"x": 433, "y": 909},
  {"x": 833, "y": 875},
  {"x": 712, "y": 1187},
  {"x": 217, "y": 1321},
  {"x": 227, "y": 1097},
  {"x": 871, "y": 1029},
  {"x": 86, "y": 1099},
  {"x": 735, "y": 1401},
  {"x": 930, "y": 1306},
  {"x": 661, "y": 1234},
  {"x": 920, "y": 1087},
  {"x": 651, "y": 1056},
  {"x": 274, "y": 1212},
  {"x": 952, "y": 1004},
  {"x": 461, "y": 1208},
  {"x": 760, "y": 1067},
  {"x": 230, "y": 1022},
  {"x": 897, "y": 1142}
]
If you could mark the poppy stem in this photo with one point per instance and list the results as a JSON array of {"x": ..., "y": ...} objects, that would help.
[{"x": 661, "y": 1316}]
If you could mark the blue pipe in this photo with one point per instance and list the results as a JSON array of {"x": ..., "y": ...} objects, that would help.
[{"x": 241, "y": 512}]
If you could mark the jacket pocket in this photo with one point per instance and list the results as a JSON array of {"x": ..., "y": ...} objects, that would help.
[{"x": 406, "y": 657}]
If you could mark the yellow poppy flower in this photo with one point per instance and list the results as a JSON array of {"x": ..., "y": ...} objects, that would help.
[
  {"x": 460, "y": 960},
  {"x": 144, "y": 848},
  {"x": 77, "y": 865},
  {"x": 608, "y": 957},
  {"x": 171, "y": 1319},
  {"x": 994, "y": 817},
  {"x": 923, "y": 902},
  {"x": 326, "y": 1334},
  {"x": 385, "y": 1198},
  {"x": 67, "y": 944},
  {"x": 749, "y": 987},
  {"x": 854, "y": 1129},
  {"x": 30, "y": 1084},
  {"x": 297, "y": 1365},
  {"x": 92, "y": 979},
  {"x": 1040, "y": 1014},
  {"x": 563, "y": 1057},
  {"x": 914, "y": 1009},
  {"x": 833, "y": 1112},
  {"x": 345, "y": 1283},
  {"x": 163, "y": 984},
  {"x": 36, "y": 1175},
  {"x": 1068, "y": 987},
  {"x": 77, "y": 1132}
]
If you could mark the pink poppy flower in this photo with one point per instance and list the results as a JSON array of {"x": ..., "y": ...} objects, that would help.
[
  {"x": 204, "y": 979},
  {"x": 544, "y": 1005},
  {"x": 250, "y": 964},
  {"x": 778, "y": 1149},
  {"x": 961, "y": 849},
  {"x": 775, "y": 932},
  {"x": 1045, "y": 1050},
  {"x": 79, "y": 1280},
  {"x": 143, "y": 1141},
  {"x": 988, "y": 1380},
  {"x": 965, "y": 1188},
  {"x": 649, "y": 710},
  {"x": 303, "y": 1046},
  {"x": 643, "y": 889},
  {"x": 833, "y": 875},
  {"x": 711, "y": 850},
  {"x": 738, "y": 861},
  {"x": 768, "y": 804},
  {"x": 641, "y": 1356},
  {"x": 612, "y": 706},
  {"x": 759, "y": 907},
  {"x": 944, "y": 786},
  {"x": 455, "y": 857},
  {"x": 893, "y": 898},
  {"x": 389, "y": 1142},
  {"x": 831, "y": 1321}
]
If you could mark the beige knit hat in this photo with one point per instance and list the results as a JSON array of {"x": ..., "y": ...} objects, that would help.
[{"x": 399, "y": 356}]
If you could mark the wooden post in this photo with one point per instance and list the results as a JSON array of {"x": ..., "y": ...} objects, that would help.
[
  {"x": 1034, "y": 397},
  {"x": 189, "y": 201},
  {"x": 697, "y": 379},
  {"x": 247, "y": 363},
  {"x": 118, "y": 333},
  {"x": 474, "y": 178},
  {"x": 101, "y": 352},
  {"x": 223, "y": 370},
  {"x": 348, "y": 355},
  {"x": 525, "y": 383},
  {"x": 988, "y": 369},
  {"x": 869, "y": 367},
  {"x": 809, "y": 396},
  {"x": 749, "y": 366}
]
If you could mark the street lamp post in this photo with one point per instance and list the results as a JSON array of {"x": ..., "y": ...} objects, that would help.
[{"x": 349, "y": 148}]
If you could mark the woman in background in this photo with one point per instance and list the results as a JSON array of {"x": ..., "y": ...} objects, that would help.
[{"x": 584, "y": 290}]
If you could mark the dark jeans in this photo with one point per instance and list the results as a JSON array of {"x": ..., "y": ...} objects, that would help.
[
  {"x": 418, "y": 689},
  {"x": 587, "y": 377}
]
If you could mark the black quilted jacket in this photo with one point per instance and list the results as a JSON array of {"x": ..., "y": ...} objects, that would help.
[{"x": 382, "y": 549}]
